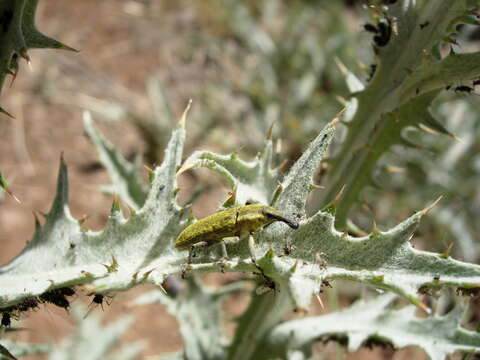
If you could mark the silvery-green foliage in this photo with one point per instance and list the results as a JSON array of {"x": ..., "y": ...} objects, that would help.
[
  {"x": 448, "y": 167},
  {"x": 93, "y": 341},
  {"x": 410, "y": 73},
  {"x": 125, "y": 253},
  {"x": 198, "y": 311},
  {"x": 376, "y": 319},
  {"x": 127, "y": 183},
  {"x": 383, "y": 259},
  {"x": 254, "y": 180},
  {"x": 374, "y": 259},
  {"x": 139, "y": 249}
]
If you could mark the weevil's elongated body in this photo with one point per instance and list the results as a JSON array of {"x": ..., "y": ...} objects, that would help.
[{"x": 239, "y": 221}]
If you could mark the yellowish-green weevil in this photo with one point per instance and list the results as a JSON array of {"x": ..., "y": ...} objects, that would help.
[{"x": 238, "y": 222}]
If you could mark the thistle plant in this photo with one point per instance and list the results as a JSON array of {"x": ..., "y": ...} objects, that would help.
[{"x": 290, "y": 266}]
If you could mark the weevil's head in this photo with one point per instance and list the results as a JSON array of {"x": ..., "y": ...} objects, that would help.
[{"x": 276, "y": 215}]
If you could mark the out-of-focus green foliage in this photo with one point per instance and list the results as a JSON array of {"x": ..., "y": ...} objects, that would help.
[{"x": 276, "y": 63}]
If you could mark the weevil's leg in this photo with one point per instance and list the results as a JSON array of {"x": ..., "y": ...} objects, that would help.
[
  {"x": 231, "y": 239},
  {"x": 224, "y": 256},
  {"x": 189, "y": 261},
  {"x": 191, "y": 255},
  {"x": 186, "y": 267},
  {"x": 251, "y": 248},
  {"x": 224, "y": 250}
]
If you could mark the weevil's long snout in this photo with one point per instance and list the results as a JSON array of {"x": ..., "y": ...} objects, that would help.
[{"x": 292, "y": 223}]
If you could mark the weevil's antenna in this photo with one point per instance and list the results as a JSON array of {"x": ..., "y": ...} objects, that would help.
[{"x": 292, "y": 223}]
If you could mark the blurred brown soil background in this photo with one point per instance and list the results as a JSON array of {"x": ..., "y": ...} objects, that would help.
[{"x": 122, "y": 43}]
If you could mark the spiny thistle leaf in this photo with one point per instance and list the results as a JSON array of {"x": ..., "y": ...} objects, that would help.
[
  {"x": 437, "y": 74},
  {"x": 409, "y": 75},
  {"x": 18, "y": 34},
  {"x": 383, "y": 259},
  {"x": 125, "y": 175},
  {"x": 254, "y": 180},
  {"x": 61, "y": 254},
  {"x": 32, "y": 37},
  {"x": 439, "y": 336},
  {"x": 297, "y": 184}
]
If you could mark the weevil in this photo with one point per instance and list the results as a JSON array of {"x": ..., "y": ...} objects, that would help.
[{"x": 238, "y": 222}]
